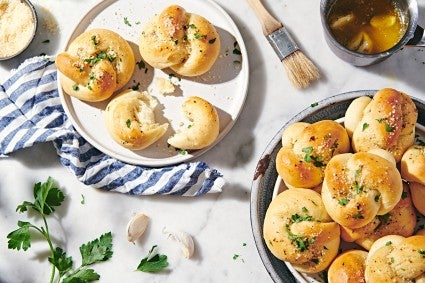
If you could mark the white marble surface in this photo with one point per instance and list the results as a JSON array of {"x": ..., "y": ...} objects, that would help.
[{"x": 220, "y": 223}]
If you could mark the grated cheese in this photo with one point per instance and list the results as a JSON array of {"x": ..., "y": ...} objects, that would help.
[{"x": 16, "y": 26}]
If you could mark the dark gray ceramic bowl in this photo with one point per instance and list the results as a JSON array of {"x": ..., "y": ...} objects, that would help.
[{"x": 266, "y": 175}]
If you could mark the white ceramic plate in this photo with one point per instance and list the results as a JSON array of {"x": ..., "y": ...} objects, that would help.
[
  {"x": 225, "y": 85},
  {"x": 266, "y": 182}
]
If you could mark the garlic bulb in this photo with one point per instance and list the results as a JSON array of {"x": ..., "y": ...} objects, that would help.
[
  {"x": 183, "y": 239},
  {"x": 136, "y": 227}
]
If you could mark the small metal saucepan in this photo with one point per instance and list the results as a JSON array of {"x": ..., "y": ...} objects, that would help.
[{"x": 413, "y": 35}]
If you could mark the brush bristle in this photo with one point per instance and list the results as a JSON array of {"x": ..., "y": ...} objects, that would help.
[{"x": 301, "y": 71}]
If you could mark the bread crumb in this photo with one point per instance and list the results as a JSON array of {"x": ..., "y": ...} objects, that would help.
[
  {"x": 164, "y": 86},
  {"x": 17, "y": 26}
]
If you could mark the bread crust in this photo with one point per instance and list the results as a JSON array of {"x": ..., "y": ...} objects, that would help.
[
  {"x": 357, "y": 187},
  {"x": 185, "y": 42},
  {"x": 348, "y": 267},
  {"x": 130, "y": 120},
  {"x": 306, "y": 149},
  {"x": 401, "y": 220},
  {"x": 204, "y": 125},
  {"x": 387, "y": 122},
  {"x": 96, "y": 64},
  {"x": 395, "y": 258},
  {"x": 298, "y": 229}
]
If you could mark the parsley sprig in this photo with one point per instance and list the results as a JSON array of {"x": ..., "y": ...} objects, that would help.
[{"x": 46, "y": 198}]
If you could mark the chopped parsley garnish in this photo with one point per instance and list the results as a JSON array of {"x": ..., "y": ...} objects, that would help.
[
  {"x": 127, "y": 22},
  {"x": 358, "y": 187},
  {"x": 314, "y": 104},
  {"x": 236, "y": 51},
  {"x": 317, "y": 160},
  {"x": 171, "y": 76},
  {"x": 128, "y": 123},
  {"x": 365, "y": 126},
  {"x": 422, "y": 253},
  {"x": 192, "y": 26},
  {"x": 181, "y": 151},
  {"x": 211, "y": 41},
  {"x": 304, "y": 209},
  {"x": 404, "y": 195},
  {"x": 75, "y": 87},
  {"x": 358, "y": 215},
  {"x": 315, "y": 260},
  {"x": 111, "y": 58},
  {"x": 141, "y": 64},
  {"x": 343, "y": 201},
  {"x": 298, "y": 218},
  {"x": 136, "y": 86},
  {"x": 384, "y": 218},
  {"x": 388, "y": 128},
  {"x": 380, "y": 120},
  {"x": 301, "y": 242},
  {"x": 93, "y": 39},
  {"x": 235, "y": 256},
  {"x": 388, "y": 243},
  {"x": 377, "y": 197},
  {"x": 392, "y": 260},
  {"x": 98, "y": 57}
]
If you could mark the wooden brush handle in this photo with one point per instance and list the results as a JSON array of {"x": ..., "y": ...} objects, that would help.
[{"x": 268, "y": 22}]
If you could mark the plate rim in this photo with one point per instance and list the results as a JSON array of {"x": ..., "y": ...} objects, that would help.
[
  {"x": 256, "y": 223},
  {"x": 176, "y": 159}
]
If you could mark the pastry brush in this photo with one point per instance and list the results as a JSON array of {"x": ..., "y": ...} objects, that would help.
[{"x": 300, "y": 69}]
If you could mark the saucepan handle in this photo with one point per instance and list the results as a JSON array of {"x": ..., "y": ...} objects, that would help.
[{"x": 418, "y": 38}]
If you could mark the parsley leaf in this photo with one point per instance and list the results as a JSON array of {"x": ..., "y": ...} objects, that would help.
[
  {"x": 82, "y": 275},
  {"x": 20, "y": 238},
  {"x": 153, "y": 263},
  {"x": 46, "y": 195},
  {"x": 61, "y": 261},
  {"x": 97, "y": 250}
]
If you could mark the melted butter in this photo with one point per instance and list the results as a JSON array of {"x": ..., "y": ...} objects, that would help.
[{"x": 366, "y": 26}]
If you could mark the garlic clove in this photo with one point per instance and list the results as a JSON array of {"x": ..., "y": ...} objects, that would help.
[
  {"x": 136, "y": 227},
  {"x": 183, "y": 239}
]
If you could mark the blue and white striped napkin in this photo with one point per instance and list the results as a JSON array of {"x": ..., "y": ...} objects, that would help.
[{"x": 31, "y": 113}]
